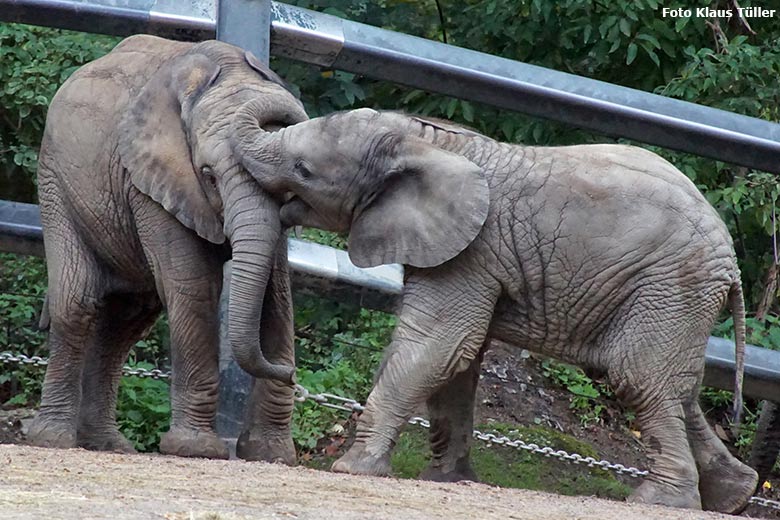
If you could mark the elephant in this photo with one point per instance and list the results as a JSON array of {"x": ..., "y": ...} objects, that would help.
[
  {"x": 142, "y": 201},
  {"x": 766, "y": 444},
  {"x": 605, "y": 256}
]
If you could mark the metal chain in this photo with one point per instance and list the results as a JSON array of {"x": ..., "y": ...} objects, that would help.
[
  {"x": 765, "y": 502},
  {"x": 21, "y": 359},
  {"x": 154, "y": 373},
  {"x": 547, "y": 451},
  {"x": 350, "y": 405},
  {"x": 38, "y": 361}
]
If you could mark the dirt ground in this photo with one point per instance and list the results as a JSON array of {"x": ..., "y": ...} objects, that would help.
[
  {"x": 75, "y": 484},
  {"x": 36, "y": 483}
]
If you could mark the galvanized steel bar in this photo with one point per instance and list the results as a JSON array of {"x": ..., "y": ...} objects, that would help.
[
  {"x": 163, "y": 17},
  {"x": 329, "y": 273},
  {"x": 328, "y": 41},
  {"x": 247, "y": 24}
]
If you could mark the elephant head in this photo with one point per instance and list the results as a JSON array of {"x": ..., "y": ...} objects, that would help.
[
  {"x": 173, "y": 144},
  {"x": 402, "y": 199}
]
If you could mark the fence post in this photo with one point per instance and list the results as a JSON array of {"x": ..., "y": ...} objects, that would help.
[{"x": 247, "y": 24}]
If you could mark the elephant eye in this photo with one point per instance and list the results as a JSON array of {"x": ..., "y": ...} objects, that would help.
[
  {"x": 302, "y": 169},
  {"x": 208, "y": 173}
]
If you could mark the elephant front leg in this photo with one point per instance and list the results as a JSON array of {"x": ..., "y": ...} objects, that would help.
[
  {"x": 194, "y": 328},
  {"x": 267, "y": 435},
  {"x": 451, "y": 412},
  {"x": 442, "y": 326}
]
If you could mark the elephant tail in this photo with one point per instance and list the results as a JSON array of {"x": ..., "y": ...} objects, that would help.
[
  {"x": 736, "y": 302},
  {"x": 45, "y": 319}
]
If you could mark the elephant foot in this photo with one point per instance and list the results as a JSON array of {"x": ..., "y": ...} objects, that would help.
[
  {"x": 46, "y": 433},
  {"x": 111, "y": 440},
  {"x": 461, "y": 471},
  {"x": 267, "y": 448},
  {"x": 726, "y": 485},
  {"x": 359, "y": 461},
  {"x": 190, "y": 442},
  {"x": 661, "y": 493}
]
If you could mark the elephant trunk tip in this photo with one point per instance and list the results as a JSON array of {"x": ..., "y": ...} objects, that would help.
[
  {"x": 257, "y": 365},
  {"x": 282, "y": 373}
]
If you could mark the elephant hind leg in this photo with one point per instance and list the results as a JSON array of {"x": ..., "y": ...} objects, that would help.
[
  {"x": 725, "y": 483},
  {"x": 124, "y": 320},
  {"x": 655, "y": 370},
  {"x": 451, "y": 412},
  {"x": 74, "y": 303}
]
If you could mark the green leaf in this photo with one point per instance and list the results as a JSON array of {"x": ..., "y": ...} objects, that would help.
[
  {"x": 650, "y": 39},
  {"x": 451, "y": 107},
  {"x": 625, "y": 27},
  {"x": 631, "y": 53},
  {"x": 468, "y": 111}
]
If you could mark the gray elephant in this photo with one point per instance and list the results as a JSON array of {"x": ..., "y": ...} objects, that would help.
[
  {"x": 142, "y": 201},
  {"x": 605, "y": 256},
  {"x": 766, "y": 443}
]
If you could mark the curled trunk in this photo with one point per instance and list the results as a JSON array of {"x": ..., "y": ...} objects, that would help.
[
  {"x": 252, "y": 225},
  {"x": 253, "y": 143}
]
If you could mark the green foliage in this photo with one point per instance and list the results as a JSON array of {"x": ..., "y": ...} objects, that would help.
[
  {"x": 587, "y": 395},
  {"x": 338, "y": 347},
  {"x": 22, "y": 289},
  {"x": 326, "y": 238},
  {"x": 143, "y": 410},
  {"x": 34, "y": 62},
  {"x": 763, "y": 333},
  {"x": 509, "y": 467}
]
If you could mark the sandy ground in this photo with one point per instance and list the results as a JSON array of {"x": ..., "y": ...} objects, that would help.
[{"x": 39, "y": 483}]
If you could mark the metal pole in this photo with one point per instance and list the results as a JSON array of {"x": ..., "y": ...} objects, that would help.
[{"x": 247, "y": 24}]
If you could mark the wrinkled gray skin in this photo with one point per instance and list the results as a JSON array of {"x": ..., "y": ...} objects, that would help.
[
  {"x": 605, "y": 256},
  {"x": 766, "y": 444},
  {"x": 142, "y": 200}
]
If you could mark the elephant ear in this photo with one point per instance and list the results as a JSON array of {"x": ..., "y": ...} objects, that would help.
[
  {"x": 153, "y": 145},
  {"x": 429, "y": 207},
  {"x": 265, "y": 72}
]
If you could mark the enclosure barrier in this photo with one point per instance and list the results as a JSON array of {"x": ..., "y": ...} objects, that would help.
[
  {"x": 328, "y": 272},
  {"x": 332, "y": 42}
]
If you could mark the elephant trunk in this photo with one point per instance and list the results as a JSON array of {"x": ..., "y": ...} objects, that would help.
[
  {"x": 253, "y": 228},
  {"x": 254, "y": 144}
]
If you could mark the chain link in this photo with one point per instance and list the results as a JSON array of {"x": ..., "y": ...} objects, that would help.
[
  {"x": 154, "y": 373},
  {"x": 21, "y": 359},
  {"x": 547, "y": 451},
  {"x": 38, "y": 361},
  {"x": 765, "y": 502},
  {"x": 350, "y": 405}
]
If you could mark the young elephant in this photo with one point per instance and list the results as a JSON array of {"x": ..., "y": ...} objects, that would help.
[
  {"x": 142, "y": 200},
  {"x": 601, "y": 255}
]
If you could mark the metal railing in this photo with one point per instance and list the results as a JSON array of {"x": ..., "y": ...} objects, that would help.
[
  {"x": 328, "y": 41},
  {"x": 328, "y": 272}
]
